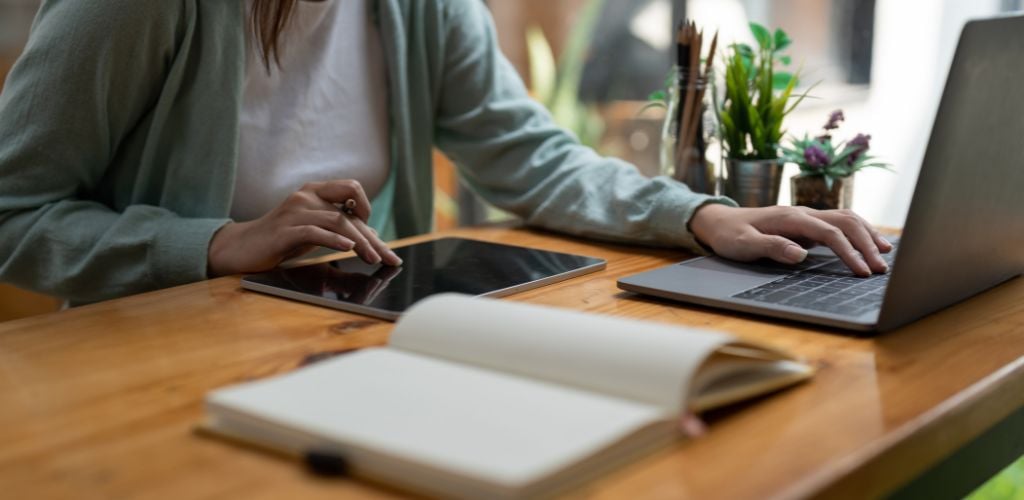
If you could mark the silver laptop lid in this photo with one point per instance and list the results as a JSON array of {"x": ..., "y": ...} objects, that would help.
[{"x": 965, "y": 229}]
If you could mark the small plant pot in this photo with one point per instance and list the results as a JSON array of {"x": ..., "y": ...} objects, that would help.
[
  {"x": 812, "y": 191},
  {"x": 753, "y": 183}
]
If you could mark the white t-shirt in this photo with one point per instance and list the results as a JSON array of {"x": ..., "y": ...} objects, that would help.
[{"x": 321, "y": 115}]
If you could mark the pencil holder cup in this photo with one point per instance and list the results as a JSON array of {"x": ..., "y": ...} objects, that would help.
[{"x": 684, "y": 143}]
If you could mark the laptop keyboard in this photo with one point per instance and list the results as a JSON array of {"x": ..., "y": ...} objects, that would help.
[{"x": 830, "y": 287}]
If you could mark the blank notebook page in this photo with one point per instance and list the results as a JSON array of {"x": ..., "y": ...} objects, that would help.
[{"x": 479, "y": 423}]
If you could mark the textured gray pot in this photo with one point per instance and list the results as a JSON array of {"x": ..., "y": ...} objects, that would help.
[{"x": 753, "y": 183}]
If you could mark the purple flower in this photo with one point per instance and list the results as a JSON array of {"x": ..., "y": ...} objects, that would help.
[
  {"x": 862, "y": 141},
  {"x": 860, "y": 145},
  {"x": 834, "y": 119},
  {"x": 815, "y": 157}
]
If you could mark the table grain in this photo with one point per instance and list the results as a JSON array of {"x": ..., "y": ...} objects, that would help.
[{"x": 101, "y": 401}]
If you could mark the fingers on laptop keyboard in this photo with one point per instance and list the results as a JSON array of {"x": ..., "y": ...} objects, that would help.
[
  {"x": 814, "y": 227},
  {"x": 858, "y": 231}
]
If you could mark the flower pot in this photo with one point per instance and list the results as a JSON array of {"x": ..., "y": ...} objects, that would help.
[
  {"x": 753, "y": 183},
  {"x": 812, "y": 191}
]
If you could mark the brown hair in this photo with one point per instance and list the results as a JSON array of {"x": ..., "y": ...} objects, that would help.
[{"x": 268, "y": 21}]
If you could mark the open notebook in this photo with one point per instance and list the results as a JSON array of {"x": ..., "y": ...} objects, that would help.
[{"x": 482, "y": 398}]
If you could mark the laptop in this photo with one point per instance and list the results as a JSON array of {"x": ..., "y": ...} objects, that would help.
[{"x": 964, "y": 232}]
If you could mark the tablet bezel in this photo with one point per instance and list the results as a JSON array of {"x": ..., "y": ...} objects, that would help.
[{"x": 249, "y": 282}]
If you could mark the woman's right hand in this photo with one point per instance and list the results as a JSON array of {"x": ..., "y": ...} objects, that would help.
[
  {"x": 782, "y": 233},
  {"x": 308, "y": 218}
]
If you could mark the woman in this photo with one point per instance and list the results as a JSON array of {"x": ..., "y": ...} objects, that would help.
[{"x": 149, "y": 143}]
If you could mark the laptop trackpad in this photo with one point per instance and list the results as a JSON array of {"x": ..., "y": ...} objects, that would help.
[
  {"x": 761, "y": 268},
  {"x": 715, "y": 277},
  {"x": 724, "y": 266},
  {"x": 708, "y": 277}
]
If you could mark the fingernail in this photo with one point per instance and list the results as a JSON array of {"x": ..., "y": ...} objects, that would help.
[
  {"x": 395, "y": 258},
  {"x": 865, "y": 269},
  {"x": 794, "y": 254}
]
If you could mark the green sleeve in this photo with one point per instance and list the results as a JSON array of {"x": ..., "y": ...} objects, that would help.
[
  {"x": 90, "y": 73},
  {"x": 511, "y": 152}
]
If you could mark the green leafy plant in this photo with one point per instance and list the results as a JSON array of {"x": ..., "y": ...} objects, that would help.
[
  {"x": 757, "y": 97},
  {"x": 833, "y": 160}
]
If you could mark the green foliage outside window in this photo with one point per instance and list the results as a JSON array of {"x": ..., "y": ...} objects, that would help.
[{"x": 1007, "y": 485}]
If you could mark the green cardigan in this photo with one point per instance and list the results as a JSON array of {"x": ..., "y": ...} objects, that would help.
[{"x": 119, "y": 133}]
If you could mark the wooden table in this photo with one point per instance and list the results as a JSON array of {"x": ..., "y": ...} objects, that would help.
[{"x": 100, "y": 401}]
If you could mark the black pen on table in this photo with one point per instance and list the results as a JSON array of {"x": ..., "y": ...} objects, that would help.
[{"x": 321, "y": 462}]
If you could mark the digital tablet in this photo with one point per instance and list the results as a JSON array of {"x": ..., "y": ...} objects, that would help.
[{"x": 438, "y": 266}]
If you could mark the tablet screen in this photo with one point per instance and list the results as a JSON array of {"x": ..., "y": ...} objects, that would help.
[{"x": 437, "y": 266}]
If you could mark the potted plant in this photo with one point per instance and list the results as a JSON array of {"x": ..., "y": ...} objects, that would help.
[
  {"x": 756, "y": 100},
  {"x": 826, "y": 173}
]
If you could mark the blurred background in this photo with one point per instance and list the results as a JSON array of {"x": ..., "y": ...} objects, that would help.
[
  {"x": 594, "y": 62},
  {"x": 883, "y": 62}
]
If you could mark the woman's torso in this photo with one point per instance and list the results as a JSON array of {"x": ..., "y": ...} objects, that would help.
[{"x": 318, "y": 113}]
